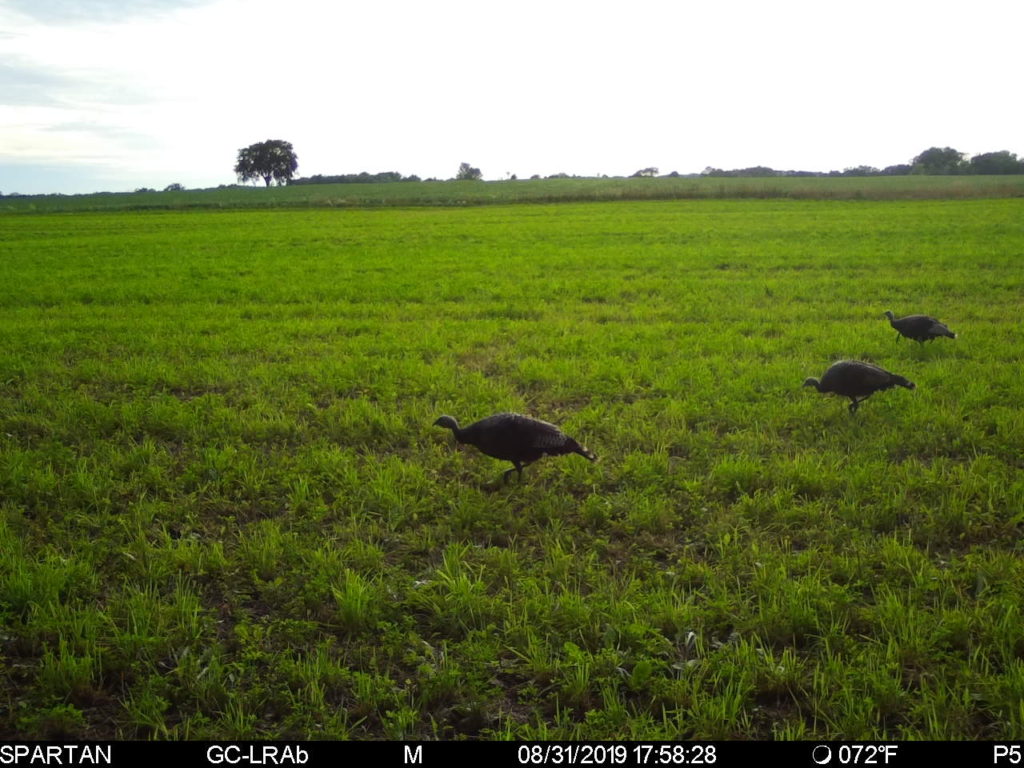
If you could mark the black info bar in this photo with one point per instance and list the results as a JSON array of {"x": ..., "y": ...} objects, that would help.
[{"x": 495, "y": 754}]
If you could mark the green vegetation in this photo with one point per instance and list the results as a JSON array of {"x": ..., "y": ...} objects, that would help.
[
  {"x": 464, "y": 193},
  {"x": 224, "y": 512}
]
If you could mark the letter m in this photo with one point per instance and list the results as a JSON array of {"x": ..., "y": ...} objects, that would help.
[{"x": 413, "y": 758}]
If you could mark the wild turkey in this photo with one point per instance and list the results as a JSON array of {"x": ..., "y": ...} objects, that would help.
[
  {"x": 857, "y": 381},
  {"x": 516, "y": 438},
  {"x": 920, "y": 328}
]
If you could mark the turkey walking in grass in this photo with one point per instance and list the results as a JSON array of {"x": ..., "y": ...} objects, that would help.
[
  {"x": 856, "y": 380},
  {"x": 920, "y": 328},
  {"x": 516, "y": 438}
]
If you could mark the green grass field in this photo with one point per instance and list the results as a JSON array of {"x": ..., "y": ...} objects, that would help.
[
  {"x": 226, "y": 513},
  {"x": 463, "y": 193}
]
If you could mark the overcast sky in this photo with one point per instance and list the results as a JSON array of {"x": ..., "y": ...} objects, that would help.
[{"x": 119, "y": 94}]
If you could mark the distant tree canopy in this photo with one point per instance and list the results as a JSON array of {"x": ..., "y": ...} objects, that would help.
[
  {"x": 276, "y": 160},
  {"x": 935, "y": 161},
  {"x": 756, "y": 171},
  {"x": 996, "y": 162},
  {"x": 468, "y": 173},
  {"x": 902, "y": 169},
  {"x": 861, "y": 170},
  {"x": 384, "y": 177},
  {"x": 271, "y": 160}
]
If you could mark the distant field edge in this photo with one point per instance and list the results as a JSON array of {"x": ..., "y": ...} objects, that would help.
[{"x": 571, "y": 190}]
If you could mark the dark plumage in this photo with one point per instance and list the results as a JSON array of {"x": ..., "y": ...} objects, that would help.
[
  {"x": 857, "y": 381},
  {"x": 920, "y": 328},
  {"x": 516, "y": 438}
]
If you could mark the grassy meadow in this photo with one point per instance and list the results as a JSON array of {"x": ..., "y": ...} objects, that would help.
[
  {"x": 530, "y": 191},
  {"x": 225, "y": 512}
]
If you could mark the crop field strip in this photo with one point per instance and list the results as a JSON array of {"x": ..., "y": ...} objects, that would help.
[
  {"x": 529, "y": 191},
  {"x": 225, "y": 512}
]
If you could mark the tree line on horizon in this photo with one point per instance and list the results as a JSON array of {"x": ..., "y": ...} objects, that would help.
[
  {"x": 935, "y": 161},
  {"x": 466, "y": 172},
  {"x": 275, "y": 160}
]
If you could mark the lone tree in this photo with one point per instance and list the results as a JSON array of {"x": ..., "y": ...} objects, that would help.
[
  {"x": 270, "y": 159},
  {"x": 468, "y": 173}
]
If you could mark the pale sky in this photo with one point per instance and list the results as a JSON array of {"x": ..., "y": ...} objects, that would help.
[{"x": 111, "y": 95}]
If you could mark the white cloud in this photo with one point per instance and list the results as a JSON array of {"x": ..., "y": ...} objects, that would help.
[{"x": 71, "y": 11}]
